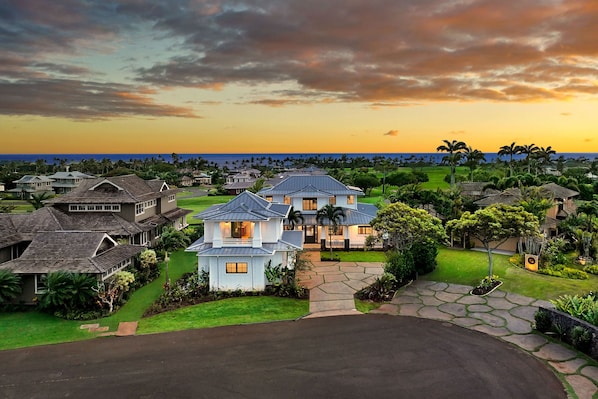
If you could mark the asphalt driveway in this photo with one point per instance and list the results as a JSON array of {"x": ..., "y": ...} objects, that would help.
[{"x": 335, "y": 357}]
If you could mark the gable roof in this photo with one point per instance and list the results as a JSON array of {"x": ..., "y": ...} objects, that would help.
[
  {"x": 559, "y": 191},
  {"x": 73, "y": 251},
  {"x": 70, "y": 175},
  {"x": 33, "y": 179},
  {"x": 315, "y": 185},
  {"x": 508, "y": 197},
  {"x": 116, "y": 189},
  {"x": 245, "y": 207}
]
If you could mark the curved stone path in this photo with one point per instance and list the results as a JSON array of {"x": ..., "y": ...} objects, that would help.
[{"x": 504, "y": 315}]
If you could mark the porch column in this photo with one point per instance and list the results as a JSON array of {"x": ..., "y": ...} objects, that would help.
[
  {"x": 217, "y": 236},
  {"x": 257, "y": 235}
]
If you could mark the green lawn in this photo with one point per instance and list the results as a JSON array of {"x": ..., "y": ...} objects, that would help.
[
  {"x": 226, "y": 312},
  {"x": 198, "y": 204},
  {"x": 469, "y": 267}
]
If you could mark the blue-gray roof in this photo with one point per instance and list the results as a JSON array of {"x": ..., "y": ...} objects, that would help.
[
  {"x": 361, "y": 216},
  {"x": 245, "y": 207},
  {"x": 324, "y": 184}
]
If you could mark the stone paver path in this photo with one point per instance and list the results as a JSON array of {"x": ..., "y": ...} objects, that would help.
[
  {"x": 332, "y": 285},
  {"x": 507, "y": 316}
]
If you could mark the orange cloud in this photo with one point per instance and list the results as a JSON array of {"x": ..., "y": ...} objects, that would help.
[{"x": 392, "y": 133}]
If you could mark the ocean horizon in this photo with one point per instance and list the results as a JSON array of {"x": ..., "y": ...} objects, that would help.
[{"x": 223, "y": 158}]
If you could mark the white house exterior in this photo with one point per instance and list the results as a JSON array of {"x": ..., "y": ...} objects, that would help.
[
  {"x": 241, "y": 238},
  {"x": 308, "y": 193}
]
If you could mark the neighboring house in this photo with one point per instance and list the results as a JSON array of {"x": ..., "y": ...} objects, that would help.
[
  {"x": 238, "y": 187},
  {"x": 202, "y": 178},
  {"x": 475, "y": 190},
  {"x": 564, "y": 206},
  {"x": 241, "y": 238},
  {"x": 29, "y": 185},
  {"x": 65, "y": 182},
  {"x": 308, "y": 193},
  {"x": 1, "y": 187},
  {"x": 138, "y": 209},
  {"x": 74, "y": 251},
  {"x": 186, "y": 181}
]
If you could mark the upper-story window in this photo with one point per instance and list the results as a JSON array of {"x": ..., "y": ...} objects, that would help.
[
  {"x": 94, "y": 208},
  {"x": 310, "y": 204},
  {"x": 287, "y": 200},
  {"x": 139, "y": 209},
  {"x": 171, "y": 197},
  {"x": 351, "y": 199},
  {"x": 332, "y": 200},
  {"x": 269, "y": 198},
  {"x": 240, "y": 229}
]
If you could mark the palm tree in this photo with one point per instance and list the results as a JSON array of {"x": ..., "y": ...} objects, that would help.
[
  {"x": 172, "y": 239},
  {"x": 473, "y": 159},
  {"x": 331, "y": 216},
  {"x": 454, "y": 149},
  {"x": 543, "y": 155},
  {"x": 510, "y": 150},
  {"x": 10, "y": 286},
  {"x": 590, "y": 209},
  {"x": 37, "y": 200},
  {"x": 295, "y": 217},
  {"x": 529, "y": 150}
]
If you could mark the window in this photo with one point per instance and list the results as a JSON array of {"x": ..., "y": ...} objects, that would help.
[
  {"x": 310, "y": 204},
  {"x": 364, "y": 229},
  {"x": 287, "y": 200},
  {"x": 269, "y": 198},
  {"x": 332, "y": 200},
  {"x": 94, "y": 208},
  {"x": 40, "y": 283},
  {"x": 238, "y": 267},
  {"x": 240, "y": 229},
  {"x": 171, "y": 197},
  {"x": 336, "y": 230},
  {"x": 351, "y": 199},
  {"x": 139, "y": 208}
]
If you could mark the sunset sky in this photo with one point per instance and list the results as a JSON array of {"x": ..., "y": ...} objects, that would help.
[{"x": 296, "y": 76}]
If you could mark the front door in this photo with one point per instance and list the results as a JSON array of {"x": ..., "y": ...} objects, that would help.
[{"x": 311, "y": 234}]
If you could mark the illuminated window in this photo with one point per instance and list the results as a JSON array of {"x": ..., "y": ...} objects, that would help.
[
  {"x": 336, "y": 230},
  {"x": 269, "y": 198},
  {"x": 351, "y": 199},
  {"x": 332, "y": 200},
  {"x": 287, "y": 200},
  {"x": 236, "y": 267},
  {"x": 240, "y": 229},
  {"x": 310, "y": 204},
  {"x": 364, "y": 230}
]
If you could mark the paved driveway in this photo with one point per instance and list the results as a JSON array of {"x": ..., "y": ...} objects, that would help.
[{"x": 370, "y": 356}]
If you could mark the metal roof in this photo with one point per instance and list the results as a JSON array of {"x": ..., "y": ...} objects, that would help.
[
  {"x": 313, "y": 183},
  {"x": 245, "y": 207}
]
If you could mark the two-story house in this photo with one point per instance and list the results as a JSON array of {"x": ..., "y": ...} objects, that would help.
[
  {"x": 309, "y": 193},
  {"x": 29, "y": 185},
  {"x": 65, "y": 182},
  {"x": 241, "y": 238}
]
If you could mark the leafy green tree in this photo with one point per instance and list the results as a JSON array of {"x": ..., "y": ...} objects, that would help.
[
  {"x": 366, "y": 181},
  {"x": 536, "y": 201},
  {"x": 67, "y": 291},
  {"x": 295, "y": 217},
  {"x": 529, "y": 150},
  {"x": 455, "y": 150},
  {"x": 330, "y": 216},
  {"x": 257, "y": 186},
  {"x": 494, "y": 225},
  {"x": 590, "y": 209},
  {"x": 172, "y": 239},
  {"x": 10, "y": 286},
  {"x": 37, "y": 200},
  {"x": 404, "y": 226},
  {"x": 110, "y": 292}
]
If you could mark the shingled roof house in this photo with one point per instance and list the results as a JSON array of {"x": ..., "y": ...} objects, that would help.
[
  {"x": 96, "y": 215},
  {"x": 308, "y": 193},
  {"x": 241, "y": 238}
]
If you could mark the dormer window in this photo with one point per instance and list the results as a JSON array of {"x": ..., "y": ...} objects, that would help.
[
  {"x": 287, "y": 200},
  {"x": 351, "y": 199},
  {"x": 240, "y": 229}
]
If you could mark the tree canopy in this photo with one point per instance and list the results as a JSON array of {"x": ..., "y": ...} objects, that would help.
[{"x": 405, "y": 225}]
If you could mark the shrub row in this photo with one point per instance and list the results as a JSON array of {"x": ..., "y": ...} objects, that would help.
[{"x": 564, "y": 271}]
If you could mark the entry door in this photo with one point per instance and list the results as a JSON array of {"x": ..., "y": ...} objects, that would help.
[{"x": 311, "y": 233}]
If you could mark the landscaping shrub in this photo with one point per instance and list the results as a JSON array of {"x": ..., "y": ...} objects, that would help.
[
  {"x": 592, "y": 269},
  {"x": 10, "y": 286},
  {"x": 381, "y": 290},
  {"x": 69, "y": 295},
  {"x": 424, "y": 257},
  {"x": 564, "y": 271},
  {"x": 400, "y": 265},
  {"x": 543, "y": 321},
  {"x": 282, "y": 282},
  {"x": 581, "y": 339},
  {"x": 584, "y": 308}
]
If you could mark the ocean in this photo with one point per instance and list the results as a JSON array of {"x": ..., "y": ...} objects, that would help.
[{"x": 222, "y": 159}]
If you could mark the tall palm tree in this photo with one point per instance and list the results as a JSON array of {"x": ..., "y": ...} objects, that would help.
[
  {"x": 529, "y": 150},
  {"x": 295, "y": 217},
  {"x": 331, "y": 216},
  {"x": 454, "y": 149},
  {"x": 510, "y": 150},
  {"x": 473, "y": 159},
  {"x": 37, "y": 200},
  {"x": 543, "y": 155}
]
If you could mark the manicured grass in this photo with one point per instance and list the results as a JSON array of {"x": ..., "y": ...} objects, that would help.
[
  {"x": 469, "y": 267},
  {"x": 229, "y": 311},
  {"x": 356, "y": 256},
  {"x": 198, "y": 204},
  {"x": 366, "y": 306},
  {"x": 436, "y": 176}
]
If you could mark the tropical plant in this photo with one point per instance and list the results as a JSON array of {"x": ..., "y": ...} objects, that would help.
[
  {"x": 510, "y": 150},
  {"x": 536, "y": 201},
  {"x": 331, "y": 216},
  {"x": 66, "y": 292},
  {"x": 110, "y": 292},
  {"x": 381, "y": 290},
  {"x": 295, "y": 217},
  {"x": 494, "y": 225},
  {"x": 10, "y": 286},
  {"x": 37, "y": 200},
  {"x": 172, "y": 239},
  {"x": 454, "y": 149},
  {"x": 529, "y": 150},
  {"x": 473, "y": 158}
]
